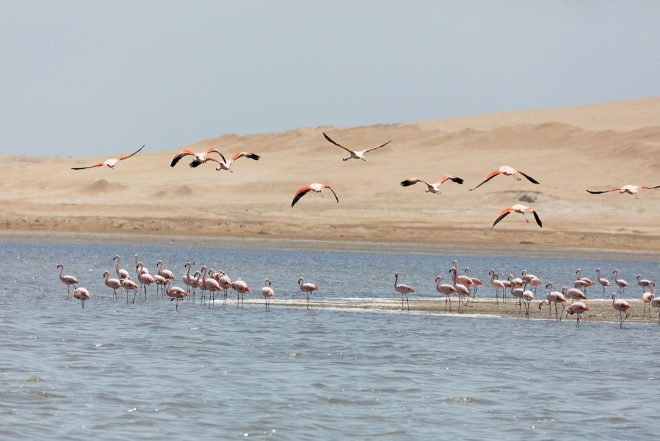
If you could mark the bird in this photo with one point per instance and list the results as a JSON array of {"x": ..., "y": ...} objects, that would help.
[
  {"x": 629, "y": 189},
  {"x": 187, "y": 279},
  {"x": 175, "y": 293},
  {"x": 121, "y": 273},
  {"x": 497, "y": 284},
  {"x": 199, "y": 158},
  {"x": 518, "y": 208},
  {"x": 160, "y": 281},
  {"x": 267, "y": 292},
  {"x": 506, "y": 171},
  {"x": 475, "y": 283},
  {"x": 128, "y": 284},
  {"x": 433, "y": 187},
  {"x": 145, "y": 279},
  {"x": 169, "y": 275},
  {"x": 224, "y": 281},
  {"x": 306, "y": 288},
  {"x": 315, "y": 187},
  {"x": 554, "y": 297},
  {"x": 112, "y": 162},
  {"x": 643, "y": 283},
  {"x": 112, "y": 283},
  {"x": 461, "y": 289},
  {"x": 602, "y": 280},
  {"x": 622, "y": 284},
  {"x": 585, "y": 281},
  {"x": 355, "y": 154},
  {"x": 622, "y": 306},
  {"x": 226, "y": 165},
  {"x": 402, "y": 289},
  {"x": 647, "y": 299},
  {"x": 241, "y": 288},
  {"x": 527, "y": 298},
  {"x": 81, "y": 294},
  {"x": 445, "y": 289},
  {"x": 209, "y": 284},
  {"x": 577, "y": 308},
  {"x": 574, "y": 294},
  {"x": 655, "y": 303},
  {"x": 67, "y": 280}
]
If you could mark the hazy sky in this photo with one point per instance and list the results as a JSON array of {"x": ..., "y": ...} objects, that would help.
[{"x": 96, "y": 77}]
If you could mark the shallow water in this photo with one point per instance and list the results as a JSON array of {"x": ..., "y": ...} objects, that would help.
[{"x": 114, "y": 371}]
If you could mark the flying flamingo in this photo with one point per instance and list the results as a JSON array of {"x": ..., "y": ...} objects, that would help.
[
  {"x": 577, "y": 308},
  {"x": 355, "y": 154},
  {"x": 622, "y": 306},
  {"x": 81, "y": 294},
  {"x": 308, "y": 287},
  {"x": 622, "y": 284},
  {"x": 128, "y": 284},
  {"x": 67, "y": 280},
  {"x": 553, "y": 297},
  {"x": 506, "y": 171},
  {"x": 445, "y": 289},
  {"x": 112, "y": 162},
  {"x": 602, "y": 280},
  {"x": 433, "y": 187},
  {"x": 643, "y": 283},
  {"x": 497, "y": 284},
  {"x": 518, "y": 208},
  {"x": 145, "y": 279},
  {"x": 267, "y": 292},
  {"x": 112, "y": 283},
  {"x": 226, "y": 165},
  {"x": 647, "y": 299},
  {"x": 169, "y": 275},
  {"x": 175, "y": 293},
  {"x": 241, "y": 288},
  {"x": 629, "y": 189},
  {"x": 121, "y": 273},
  {"x": 199, "y": 158},
  {"x": 315, "y": 187}
]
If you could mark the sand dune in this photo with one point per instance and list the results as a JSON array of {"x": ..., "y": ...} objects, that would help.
[{"x": 567, "y": 150}]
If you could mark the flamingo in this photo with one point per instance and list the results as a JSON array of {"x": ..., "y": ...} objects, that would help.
[
  {"x": 195, "y": 283},
  {"x": 112, "y": 162},
  {"x": 629, "y": 189},
  {"x": 535, "y": 282},
  {"x": 224, "y": 281},
  {"x": 160, "y": 281},
  {"x": 241, "y": 288},
  {"x": 209, "y": 284},
  {"x": 622, "y": 284},
  {"x": 460, "y": 278},
  {"x": 527, "y": 297},
  {"x": 267, "y": 292},
  {"x": 81, "y": 294},
  {"x": 574, "y": 294},
  {"x": 517, "y": 208},
  {"x": 186, "y": 276},
  {"x": 315, "y": 187},
  {"x": 67, "y": 280},
  {"x": 586, "y": 282},
  {"x": 128, "y": 284},
  {"x": 622, "y": 306},
  {"x": 643, "y": 283},
  {"x": 169, "y": 275},
  {"x": 445, "y": 289},
  {"x": 655, "y": 303},
  {"x": 475, "y": 283},
  {"x": 433, "y": 187},
  {"x": 602, "y": 280},
  {"x": 355, "y": 154},
  {"x": 517, "y": 293},
  {"x": 199, "y": 158},
  {"x": 647, "y": 299},
  {"x": 175, "y": 293},
  {"x": 226, "y": 165},
  {"x": 497, "y": 284},
  {"x": 526, "y": 277},
  {"x": 577, "y": 308},
  {"x": 461, "y": 290},
  {"x": 112, "y": 283},
  {"x": 310, "y": 287},
  {"x": 121, "y": 273},
  {"x": 145, "y": 279},
  {"x": 140, "y": 265},
  {"x": 554, "y": 297},
  {"x": 506, "y": 171}
]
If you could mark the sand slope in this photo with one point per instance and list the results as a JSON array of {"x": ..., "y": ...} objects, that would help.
[{"x": 567, "y": 150}]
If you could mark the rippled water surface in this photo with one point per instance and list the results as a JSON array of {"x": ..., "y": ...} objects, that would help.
[{"x": 144, "y": 371}]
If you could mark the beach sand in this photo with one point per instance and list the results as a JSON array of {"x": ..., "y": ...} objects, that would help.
[{"x": 568, "y": 150}]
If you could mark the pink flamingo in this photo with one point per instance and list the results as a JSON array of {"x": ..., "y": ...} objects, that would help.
[
  {"x": 112, "y": 283},
  {"x": 315, "y": 187},
  {"x": 497, "y": 284},
  {"x": 175, "y": 293},
  {"x": 574, "y": 294},
  {"x": 475, "y": 283},
  {"x": 622, "y": 306},
  {"x": 643, "y": 283},
  {"x": 355, "y": 154},
  {"x": 527, "y": 297},
  {"x": 584, "y": 282},
  {"x": 224, "y": 281},
  {"x": 226, "y": 165},
  {"x": 169, "y": 275},
  {"x": 461, "y": 290},
  {"x": 506, "y": 171},
  {"x": 267, "y": 292},
  {"x": 517, "y": 293},
  {"x": 195, "y": 283},
  {"x": 81, "y": 294},
  {"x": 145, "y": 279},
  {"x": 602, "y": 280},
  {"x": 139, "y": 264},
  {"x": 121, "y": 273},
  {"x": 67, "y": 280},
  {"x": 655, "y": 303},
  {"x": 209, "y": 284},
  {"x": 517, "y": 208},
  {"x": 553, "y": 297},
  {"x": 647, "y": 299},
  {"x": 310, "y": 288},
  {"x": 445, "y": 289},
  {"x": 432, "y": 187},
  {"x": 187, "y": 279},
  {"x": 629, "y": 189},
  {"x": 241, "y": 289},
  {"x": 577, "y": 308},
  {"x": 622, "y": 284},
  {"x": 535, "y": 282},
  {"x": 198, "y": 158},
  {"x": 128, "y": 284},
  {"x": 526, "y": 277},
  {"x": 112, "y": 162},
  {"x": 160, "y": 282}
]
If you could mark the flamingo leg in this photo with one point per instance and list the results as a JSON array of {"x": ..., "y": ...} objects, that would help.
[
  {"x": 407, "y": 303},
  {"x": 308, "y": 301}
]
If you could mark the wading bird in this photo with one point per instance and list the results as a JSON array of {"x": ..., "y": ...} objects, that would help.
[
  {"x": 121, "y": 273},
  {"x": 81, "y": 294},
  {"x": 175, "y": 293},
  {"x": 267, "y": 292},
  {"x": 402, "y": 289},
  {"x": 629, "y": 189},
  {"x": 112, "y": 283},
  {"x": 602, "y": 280},
  {"x": 553, "y": 297},
  {"x": 112, "y": 162},
  {"x": 622, "y": 284},
  {"x": 435, "y": 186},
  {"x": 355, "y": 154},
  {"x": 306, "y": 288},
  {"x": 518, "y": 208},
  {"x": 506, "y": 171},
  {"x": 622, "y": 306},
  {"x": 577, "y": 308},
  {"x": 315, "y": 187},
  {"x": 647, "y": 299},
  {"x": 446, "y": 289},
  {"x": 67, "y": 280}
]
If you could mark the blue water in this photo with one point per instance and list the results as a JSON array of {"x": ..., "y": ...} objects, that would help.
[{"x": 118, "y": 371}]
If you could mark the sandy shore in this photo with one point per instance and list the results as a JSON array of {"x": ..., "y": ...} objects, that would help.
[{"x": 567, "y": 150}]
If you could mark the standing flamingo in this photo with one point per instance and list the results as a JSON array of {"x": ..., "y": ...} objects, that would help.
[
  {"x": 475, "y": 283},
  {"x": 585, "y": 281},
  {"x": 527, "y": 297},
  {"x": 506, "y": 171},
  {"x": 553, "y": 297},
  {"x": 81, "y": 294},
  {"x": 169, "y": 275},
  {"x": 121, "y": 273},
  {"x": 432, "y": 187},
  {"x": 315, "y": 187},
  {"x": 209, "y": 284},
  {"x": 267, "y": 292},
  {"x": 446, "y": 289},
  {"x": 112, "y": 162},
  {"x": 195, "y": 283},
  {"x": 175, "y": 293},
  {"x": 497, "y": 284},
  {"x": 160, "y": 282},
  {"x": 67, "y": 280},
  {"x": 187, "y": 279},
  {"x": 643, "y": 283},
  {"x": 574, "y": 294},
  {"x": 655, "y": 303},
  {"x": 307, "y": 288},
  {"x": 647, "y": 299},
  {"x": 461, "y": 290},
  {"x": 128, "y": 284},
  {"x": 241, "y": 288},
  {"x": 577, "y": 308},
  {"x": 622, "y": 306},
  {"x": 224, "y": 281},
  {"x": 355, "y": 154},
  {"x": 145, "y": 279},
  {"x": 622, "y": 284},
  {"x": 602, "y": 280},
  {"x": 112, "y": 283}
]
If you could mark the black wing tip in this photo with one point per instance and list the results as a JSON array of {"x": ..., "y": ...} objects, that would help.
[
  {"x": 406, "y": 183},
  {"x": 458, "y": 180},
  {"x": 254, "y": 156}
]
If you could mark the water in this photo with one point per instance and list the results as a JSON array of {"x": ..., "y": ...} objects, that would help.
[{"x": 117, "y": 371}]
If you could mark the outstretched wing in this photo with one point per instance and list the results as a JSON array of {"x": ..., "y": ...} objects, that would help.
[
  {"x": 181, "y": 154},
  {"x": 338, "y": 145},
  {"x": 504, "y": 213},
  {"x": 538, "y": 219},
  {"x": 488, "y": 178},
  {"x": 379, "y": 147},
  {"x": 121, "y": 158},
  {"x": 302, "y": 191},
  {"x": 451, "y": 178},
  {"x": 410, "y": 181},
  {"x": 333, "y": 192},
  {"x": 245, "y": 155},
  {"x": 601, "y": 192},
  {"x": 529, "y": 178},
  {"x": 98, "y": 164},
  {"x": 214, "y": 150},
  {"x": 651, "y": 188}
]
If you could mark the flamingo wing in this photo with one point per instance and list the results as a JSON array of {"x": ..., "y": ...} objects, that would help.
[
  {"x": 488, "y": 178},
  {"x": 504, "y": 213},
  {"x": 181, "y": 154},
  {"x": 121, "y": 158},
  {"x": 379, "y": 147},
  {"x": 538, "y": 219},
  {"x": 651, "y": 188},
  {"x": 245, "y": 155},
  {"x": 451, "y": 178},
  {"x": 603, "y": 191},
  {"x": 338, "y": 145},
  {"x": 333, "y": 192},
  {"x": 214, "y": 150},
  {"x": 302, "y": 191},
  {"x": 529, "y": 178},
  {"x": 411, "y": 181},
  {"x": 98, "y": 164}
]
